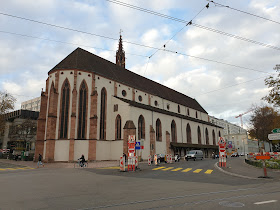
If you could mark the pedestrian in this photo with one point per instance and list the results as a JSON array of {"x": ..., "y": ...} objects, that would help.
[
  {"x": 124, "y": 156},
  {"x": 40, "y": 161},
  {"x": 16, "y": 157}
]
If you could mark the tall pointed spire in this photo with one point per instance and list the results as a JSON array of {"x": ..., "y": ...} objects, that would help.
[{"x": 120, "y": 55}]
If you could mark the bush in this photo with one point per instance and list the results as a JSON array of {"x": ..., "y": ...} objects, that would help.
[{"x": 273, "y": 164}]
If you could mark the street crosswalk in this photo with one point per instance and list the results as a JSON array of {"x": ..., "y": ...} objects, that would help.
[
  {"x": 182, "y": 170},
  {"x": 16, "y": 169}
]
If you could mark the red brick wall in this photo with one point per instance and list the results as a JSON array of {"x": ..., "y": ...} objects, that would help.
[
  {"x": 129, "y": 129},
  {"x": 41, "y": 125},
  {"x": 152, "y": 141}
]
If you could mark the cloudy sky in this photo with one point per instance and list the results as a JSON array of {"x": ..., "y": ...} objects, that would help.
[{"x": 30, "y": 49}]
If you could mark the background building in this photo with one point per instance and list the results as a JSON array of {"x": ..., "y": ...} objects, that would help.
[
  {"x": 235, "y": 136},
  {"x": 20, "y": 131},
  {"x": 32, "y": 104}
]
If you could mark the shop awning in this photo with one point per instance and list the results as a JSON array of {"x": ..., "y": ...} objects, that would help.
[{"x": 188, "y": 145}]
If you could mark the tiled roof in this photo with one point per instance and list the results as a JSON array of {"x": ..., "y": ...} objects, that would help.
[{"x": 83, "y": 60}]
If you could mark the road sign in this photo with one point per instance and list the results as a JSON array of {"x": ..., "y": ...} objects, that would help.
[
  {"x": 131, "y": 138},
  {"x": 230, "y": 146},
  {"x": 221, "y": 141},
  {"x": 276, "y": 130},
  {"x": 274, "y": 136},
  {"x": 263, "y": 157}
]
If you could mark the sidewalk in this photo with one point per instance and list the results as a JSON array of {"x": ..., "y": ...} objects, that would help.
[
  {"x": 236, "y": 166},
  {"x": 95, "y": 164}
]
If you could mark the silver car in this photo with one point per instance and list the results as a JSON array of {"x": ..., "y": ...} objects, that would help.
[{"x": 194, "y": 154}]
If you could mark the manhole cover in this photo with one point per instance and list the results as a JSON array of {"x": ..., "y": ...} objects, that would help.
[{"x": 231, "y": 204}]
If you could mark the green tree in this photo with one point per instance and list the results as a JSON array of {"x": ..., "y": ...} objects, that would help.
[
  {"x": 263, "y": 120},
  {"x": 274, "y": 94},
  {"x": 7, "y": 103}
]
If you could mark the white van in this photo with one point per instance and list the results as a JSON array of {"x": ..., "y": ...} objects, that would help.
[{"x": 194, "y": 154}]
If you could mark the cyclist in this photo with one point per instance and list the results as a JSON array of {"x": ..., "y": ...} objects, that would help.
[{"x": 82, "y": 160}]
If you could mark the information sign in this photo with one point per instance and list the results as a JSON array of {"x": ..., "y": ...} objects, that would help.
[
  {"x": 274, "y": 136},
  {"x": 276, "y": 130}
]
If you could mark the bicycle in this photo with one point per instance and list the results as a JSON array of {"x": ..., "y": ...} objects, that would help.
[{"x": 78, "y": 164}]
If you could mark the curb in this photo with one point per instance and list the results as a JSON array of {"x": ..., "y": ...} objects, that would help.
[{"x": 232, "y": 174}]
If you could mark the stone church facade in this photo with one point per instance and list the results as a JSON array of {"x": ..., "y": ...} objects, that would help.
[{"x": 91, "y": 105}]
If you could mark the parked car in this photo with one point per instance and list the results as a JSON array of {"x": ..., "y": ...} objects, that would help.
[
  {"x": 194, "y": 154},
  {"x": 160, "y": 158},
  {"x": 235, "y": 154}
]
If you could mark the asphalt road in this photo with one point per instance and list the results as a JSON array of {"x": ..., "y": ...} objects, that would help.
[{"x": 109, "y": 188}]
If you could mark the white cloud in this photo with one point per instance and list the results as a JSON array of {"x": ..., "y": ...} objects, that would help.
[{"x": 24, "y": 62}]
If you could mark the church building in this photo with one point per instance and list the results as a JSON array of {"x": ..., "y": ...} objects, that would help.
[{"x": 90, "y": 106}]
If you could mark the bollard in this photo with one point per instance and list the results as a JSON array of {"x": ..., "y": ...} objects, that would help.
[
  {"x": 155, "y": 159},
  {"x": 122, "y": 163}
]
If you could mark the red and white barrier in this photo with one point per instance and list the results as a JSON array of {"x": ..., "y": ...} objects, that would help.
[
  {"x": 149, "y": 160},
  {"x": 222, "y": 152},
  {"x": 131, "y": 163},
  {"x": 170, "y": 158},
  {"x": 122, "y": 163}
]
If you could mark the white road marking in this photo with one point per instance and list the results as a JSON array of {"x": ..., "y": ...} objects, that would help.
[{"x": 264, "y": 202}]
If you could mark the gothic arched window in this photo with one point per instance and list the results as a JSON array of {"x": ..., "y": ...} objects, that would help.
[
  {"x": 207, "y": 136},
  {"x": 173, "y": 131},
  {"x": 82, "y": 111},
  {"x": 189, "y": 134},
  {"x": 141, "y": 127},
  {"x": 199, "y": 135},
  {"x": 158, "y": 130},
  {"x": 64, "y": 109},
  {"x": 214, "y": 137},
  {"x": 118, "y": 127},
  {"x": 103, "y": 107}
]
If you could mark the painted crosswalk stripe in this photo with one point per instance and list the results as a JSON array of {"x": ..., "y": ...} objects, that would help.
[
  {"x": 2, "y": 169},
  {"x": 177, "y": 169},
  {"x": 197, "y": 170},
  {"x": 208, "y": 171},
  {"x": 22, "y": 168},
  {"x": 158, "y": 168},
  {"x": 166, "y": 169},
  {"x": 264, "y": 202},
  {"x": 186, "y": 170},
  {"x": 12, "y": 168}
]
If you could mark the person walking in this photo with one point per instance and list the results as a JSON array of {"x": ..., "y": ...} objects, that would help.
[{"x": 40, "y": 161}]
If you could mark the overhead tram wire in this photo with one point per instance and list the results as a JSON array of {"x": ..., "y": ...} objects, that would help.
[
  {"x": 189, "y": 23},
  {"x": 133, "y": 43},
  {"x": 248, "y": 13},
  {"x": 174, "y": 36},
  {"x": 194, "y": 24},
  {"x": 237, "y": 84},
  {"x": 62, "y": 42},
  {"x": 235, "y": 36}
]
